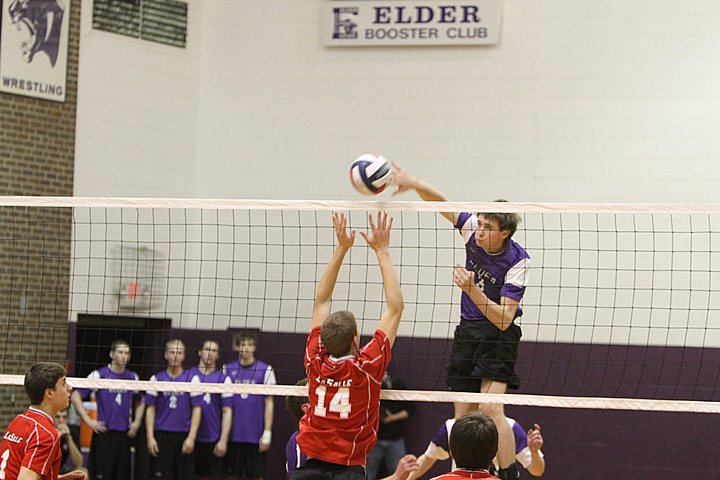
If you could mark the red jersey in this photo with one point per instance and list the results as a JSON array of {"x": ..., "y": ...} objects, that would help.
[
  {"x": 341, "y": 425},
  {"x": 33, "y": 442},
  {"x": 461, "y": 474}
]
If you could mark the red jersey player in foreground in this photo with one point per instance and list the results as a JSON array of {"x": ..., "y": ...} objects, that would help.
[
  {"x": 30, "y": 447},
  {"x": 473, "y": 445},
  {"x": 340, "y": 428}
]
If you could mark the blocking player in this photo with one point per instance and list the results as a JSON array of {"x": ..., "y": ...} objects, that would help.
[
  {"x": 493, "y": 282},
  {"x": 340, "y": 427},
  {"x": 172, "y": 420},
  {"x": 473, "y": 444},
  {"x": 112, "y": 431},
  {"x": 527, "y": 445},
  {"x": 30, "y": 446},
  {"x": 214, "y": 430},
  {"x": 252, "y": 418},
  {"x": 294, "y": 458}
]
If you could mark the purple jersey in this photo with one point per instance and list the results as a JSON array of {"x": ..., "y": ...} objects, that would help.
[
  {"x": 440, "y": 447},
  {"x": 113, "y": 405},
  {"x": 294, "y": 458},
  {"x": 504, "y": 274},
  {"x": 249, "y": 410},
  {"x": 212, "y": 405},
  {"x": 172, "y": 409}
]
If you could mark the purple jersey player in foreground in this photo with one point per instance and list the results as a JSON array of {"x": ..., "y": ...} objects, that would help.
[
  {"x": 214, "y": 431},
  {"x": 527, "y": 446},
  {"x": 172, "y": 420},
  {"x": 110, "y": 445},
  {"x": 493, "y": 282},
  {"x": 252, "y": 414}
]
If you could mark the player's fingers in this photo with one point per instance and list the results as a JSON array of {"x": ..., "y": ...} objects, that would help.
[
  {"x": 364, "y": 235},
  {"x": 372, "y": 222},
  {"x": 390, "y": 224}
]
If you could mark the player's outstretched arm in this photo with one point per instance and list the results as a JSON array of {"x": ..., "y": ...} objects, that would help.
[
  {"x": 404, "y": 181},
  {"x": 326, "y": 285},
  {"x": 379, "y": 241}
]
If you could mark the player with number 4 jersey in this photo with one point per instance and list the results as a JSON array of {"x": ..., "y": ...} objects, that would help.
[
  {"x": 340, "y": 427},
  {"x": 112, "y": 431}
]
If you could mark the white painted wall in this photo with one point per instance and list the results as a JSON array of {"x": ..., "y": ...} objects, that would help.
[{"x": 582, "y": 101}]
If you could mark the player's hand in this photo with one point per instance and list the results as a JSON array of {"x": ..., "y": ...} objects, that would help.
[
  {"x": 406, "y": 466},
  {"x": 152, "y": 447},
  {"x": 345, "y": 240},
  {"x": 401, "y": 179},
  {"x": 264, "y": 446},
  {"x": 63, "y": 429},
  {"x": 463, "y": 278},
  {"x": 74, "y": 475},
  {"x": 96, "y": 426},
  {"x": 535, "y": 439},
  {"x": 133, "y": 430},
  {"x": 188, "y": 446},
  {"x": 380, "y": 232},
  {"x": 220, "y": 449}
]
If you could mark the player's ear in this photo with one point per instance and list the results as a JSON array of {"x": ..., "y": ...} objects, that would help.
[{"x": 305, "y": 407}]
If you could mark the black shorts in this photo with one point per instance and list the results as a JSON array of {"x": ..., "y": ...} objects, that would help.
[
  {"x": 206, "y": 463},
  {"x": 109, "y": 456},
  {"x": 318, "y": 470},
  {"x": 170, "y": 463},
  {"x": 482, "y": 351},
  {"x": 243, "y": 460}
]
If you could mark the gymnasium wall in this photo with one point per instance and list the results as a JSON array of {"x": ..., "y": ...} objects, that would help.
[{"x": 37, "y": 146}]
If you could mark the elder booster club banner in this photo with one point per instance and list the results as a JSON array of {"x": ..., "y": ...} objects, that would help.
[
  {"x": 356, "y": 23},
  {"x": 34, "y": 48}
]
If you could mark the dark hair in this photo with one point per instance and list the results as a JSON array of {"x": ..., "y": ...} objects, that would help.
[
  {"x": 119, "y": 343},
  {"x": 338, "y": 331},
  {"x": 210, "y": 341},
  {"x": 294, "y": 404},
  {"x": 40, "y": 377},
  {"x": 506, "y": 221},
  {"x": 174, "y": 343},
  {"x": 238, "y": 338},
  {"x": 473, "y": 441}
]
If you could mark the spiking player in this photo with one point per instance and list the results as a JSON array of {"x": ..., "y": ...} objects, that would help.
[
  {"x": 30, "y": 446},
  {"x": 493, "y": 282},
  {"x": 340, "y": 428},
  {"x": 112, "y": 431},
  {"x": 214, "y": 430}
]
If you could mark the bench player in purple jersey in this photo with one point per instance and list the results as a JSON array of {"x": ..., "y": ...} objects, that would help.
[
  {"x": 493, "y": 282},
  {"x": 172, "y": 420},
  {"x": 252, "y": 414},
  {"x": 527, "y": 446},
  {"x": 294, "y": 458},
  {"x": 214, "y": 430},
  {"x": 112, "y": 431}
]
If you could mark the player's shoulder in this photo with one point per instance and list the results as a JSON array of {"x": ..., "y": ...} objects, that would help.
[
  {"x": 517, "y": 251},
  {"x": 34, "y": 419}
]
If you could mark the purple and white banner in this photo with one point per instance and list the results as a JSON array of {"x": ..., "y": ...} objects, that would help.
[
  {"x": 362, "y": 23},
  {"x": 34, "y": 48}
]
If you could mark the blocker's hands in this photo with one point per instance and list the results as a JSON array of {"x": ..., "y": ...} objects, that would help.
[
  {"x": 345, "y": 240},
  {"x": 379, "y": 237}
]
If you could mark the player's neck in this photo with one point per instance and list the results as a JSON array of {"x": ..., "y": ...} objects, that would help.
[
  {"x": 246, "y": 361},
  {"x": 174, "y": 371},
  {"x": 206, "y": 369},
  {"x": 117, "y": 369},
  {"x": 47, "y": 408}
]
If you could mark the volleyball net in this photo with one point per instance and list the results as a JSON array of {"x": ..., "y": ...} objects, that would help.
[{"x": 620, "y": 310}]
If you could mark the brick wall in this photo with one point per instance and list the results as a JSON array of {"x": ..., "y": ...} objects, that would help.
[{"x": 37, "y": 149}]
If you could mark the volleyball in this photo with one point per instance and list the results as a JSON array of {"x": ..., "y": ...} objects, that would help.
[{"x": 370, "y": 173}]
